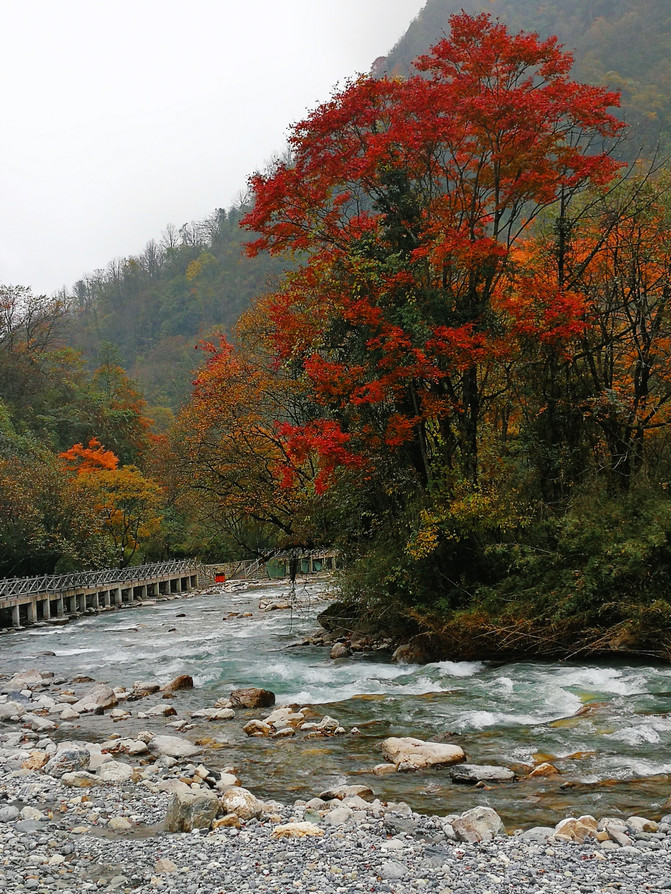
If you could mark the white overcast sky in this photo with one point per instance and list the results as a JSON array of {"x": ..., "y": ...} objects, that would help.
[{"x": 121, "y": 117}]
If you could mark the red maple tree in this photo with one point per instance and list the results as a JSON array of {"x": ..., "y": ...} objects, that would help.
[{"x": 407, "y": 200}]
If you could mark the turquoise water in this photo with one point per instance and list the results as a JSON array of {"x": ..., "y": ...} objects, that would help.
[{"x": 614, "y": 756}]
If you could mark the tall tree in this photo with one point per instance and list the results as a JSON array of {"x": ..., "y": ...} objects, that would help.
[{"x": 409, "y": 197}]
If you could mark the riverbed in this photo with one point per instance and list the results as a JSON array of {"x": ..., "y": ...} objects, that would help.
[{"x": 607, "y": 728}]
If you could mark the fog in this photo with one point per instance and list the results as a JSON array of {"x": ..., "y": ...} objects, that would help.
[{"x": 123, "y": 117}]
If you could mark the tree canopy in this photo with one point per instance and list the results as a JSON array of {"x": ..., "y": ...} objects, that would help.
[{"x": 473, "y": 338}]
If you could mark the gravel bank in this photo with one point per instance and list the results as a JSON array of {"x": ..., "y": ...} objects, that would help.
[{"x": 54, "y": 837}]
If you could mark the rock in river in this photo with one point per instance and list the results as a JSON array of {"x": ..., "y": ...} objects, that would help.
[
  {"x": 173, "y": 746},
  {"x": 183, "y": 681},
  {"x": 252, "y": 698},
  {"x": 98, "y": 698},
  {"x": 469, "y": 774},
  {"x": 414, "y": 754}
]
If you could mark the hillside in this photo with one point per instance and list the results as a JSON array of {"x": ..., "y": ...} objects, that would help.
[
  {"x": 154, "y": 307},
  {"x": 624, "y": 44}
]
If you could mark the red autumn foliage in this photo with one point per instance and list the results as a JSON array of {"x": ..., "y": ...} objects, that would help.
[{"x": 411, "y": 198}]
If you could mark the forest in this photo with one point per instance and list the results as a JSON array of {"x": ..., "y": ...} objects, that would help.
[{"x": 456, "y": 370}]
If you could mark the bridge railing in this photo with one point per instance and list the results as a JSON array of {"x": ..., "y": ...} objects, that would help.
[{"x": 55, "y": 583}]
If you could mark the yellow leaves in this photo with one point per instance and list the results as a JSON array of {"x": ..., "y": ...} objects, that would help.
[
  {"x": 127, "y": 505},
  {"x": 462, "y": 510},
  {"x": 196, "y": 267},
  {"x": 426, "y": 539}
]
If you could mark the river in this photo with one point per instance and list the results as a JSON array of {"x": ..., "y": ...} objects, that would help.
[{"x": 614, "y": 756}]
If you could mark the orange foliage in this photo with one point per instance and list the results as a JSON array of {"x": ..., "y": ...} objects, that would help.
[{"x": 92, "y": 458}]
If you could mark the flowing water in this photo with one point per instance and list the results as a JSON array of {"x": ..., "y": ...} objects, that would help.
[{"x": 607, "y": 728}]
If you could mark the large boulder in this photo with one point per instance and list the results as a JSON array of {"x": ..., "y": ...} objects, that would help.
[
  {"x": 410, "y": 653},
  {"x": 69, "y": 758},
  {"x": 191, "y": 810},
  {"x": 252, "y": 697},
  {"x": 478, "y": 824},
  {"x": 27, "y": 680},
  {"x": 576, "y": 828},
  {"x": 11, "y": 710},
  {"x": 414, "y": 754},
  {"x": 183, "y": 681},
  {"x": 38, "y": 724},
  {"x": 242, "y": 803},
  {"x": 100, "y": 697},
  {"x": 114, "y": 771},
  {"x": 36, "y": 760},
  {"x": 80, "y": 779},
  {"x": 173, "y": 746}
]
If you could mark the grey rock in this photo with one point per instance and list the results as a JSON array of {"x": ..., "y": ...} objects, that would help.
[
  {"x": 98, "y": 698},
  {"x": 70, "y": 757},
  {"x": 392, "y": 869},
  {"x": 398, "y": 825},
  {"x": 173, "y": 746},
  {"x": 191, "y": 810},
  {"x": 478, "y": 824},
  {"x": 469, "y": 774},
  {"x": 8, "y": 814},
  {"x": 538, "y": 834}
]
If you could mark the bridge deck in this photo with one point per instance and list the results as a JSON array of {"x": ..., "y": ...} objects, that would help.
[{"x": 31, "y": 599}]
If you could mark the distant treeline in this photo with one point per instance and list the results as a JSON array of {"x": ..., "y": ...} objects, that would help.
[{"x": 155, "y": 306}]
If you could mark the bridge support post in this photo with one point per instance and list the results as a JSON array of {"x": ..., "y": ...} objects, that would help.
[
  {"x": 46, "y": 609},
  {"x": 32, "y": 611},
  {"x": 16, "y": 616},
  {"x": 117, "y": 596}
]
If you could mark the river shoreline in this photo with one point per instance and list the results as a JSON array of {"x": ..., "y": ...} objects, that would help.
[
  {"x": 104, "y": 827},
  {"x": 53, "y": 831}
]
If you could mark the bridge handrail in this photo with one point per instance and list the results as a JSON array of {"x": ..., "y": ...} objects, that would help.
[{"x": 55, "y": 583}]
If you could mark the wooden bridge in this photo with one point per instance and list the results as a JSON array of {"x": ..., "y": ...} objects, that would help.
[{"x": 27, "y": 600}]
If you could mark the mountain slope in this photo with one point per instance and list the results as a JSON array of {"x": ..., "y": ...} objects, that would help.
[{"x": 624, "y": 44}]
